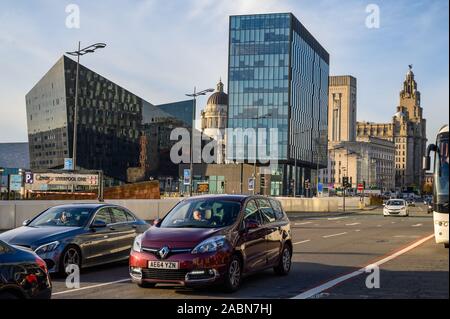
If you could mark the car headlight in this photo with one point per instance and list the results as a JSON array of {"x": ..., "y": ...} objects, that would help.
[
  {"x": 137, "y": 245},
  {"x": 209, "y": 245},
  {"x": 43, "y": 249}
]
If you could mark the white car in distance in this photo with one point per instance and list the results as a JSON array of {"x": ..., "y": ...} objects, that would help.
[{"x": 396, "y": 207}]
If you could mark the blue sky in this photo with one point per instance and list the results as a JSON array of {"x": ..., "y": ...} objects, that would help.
[{"x": 160, "y": 49}]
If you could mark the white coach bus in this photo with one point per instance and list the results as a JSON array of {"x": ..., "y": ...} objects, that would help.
[{"x": 440, "y": 184}]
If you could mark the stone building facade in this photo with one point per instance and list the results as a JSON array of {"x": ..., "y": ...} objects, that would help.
[
  {"x": 342, "y": 104},
  {"x": 407, "y": 130}
]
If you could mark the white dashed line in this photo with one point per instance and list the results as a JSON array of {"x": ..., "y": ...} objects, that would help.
[
  {"x": 334, "y": 235},
  {"x": 337, "y": 218},
  {"x": 354, "y": 224},
  {"x": 417, "y": 225},
  {"x": 319, "y": 289},
  {"x": 302, "y": 242},
  {"x": 305, "y": 223}
]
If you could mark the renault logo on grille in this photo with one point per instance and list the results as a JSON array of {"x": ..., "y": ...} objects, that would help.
[{"x": 163, "y": 252}]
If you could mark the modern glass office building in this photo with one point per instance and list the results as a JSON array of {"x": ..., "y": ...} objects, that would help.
[
  {"x": 181, "y": 110},
  {"x": 278, "y": 78},
  {"x": 111, "y": 122}
]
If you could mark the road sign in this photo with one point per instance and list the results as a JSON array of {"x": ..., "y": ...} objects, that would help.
[
  {"x": 360, "y": 187},
  {"x": 29, "y": 178},
  {"x": 203, "y": 188},
  {"x": 68, "y": 164},
  {"x": 320, "y": 187},
  {"x": 187, "y": 177},
  {"x": 251, "y": 184},
  {"x": 64, "y": 179},
  {"x": 15, "y": 182}
]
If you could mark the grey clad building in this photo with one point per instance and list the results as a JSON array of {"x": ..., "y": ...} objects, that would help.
[
  {"x": 278, "y": 78},
  {"x": 111, "y": 122}
]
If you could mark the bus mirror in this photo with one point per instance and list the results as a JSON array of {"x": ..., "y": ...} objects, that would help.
[{"x": 426, "y": 163}]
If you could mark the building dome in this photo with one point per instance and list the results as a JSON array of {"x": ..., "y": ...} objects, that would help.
[
  {"x": 219, "y": 97},
  {"x": 215, "y": 113}
]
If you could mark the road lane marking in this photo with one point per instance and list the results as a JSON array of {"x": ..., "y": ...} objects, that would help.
[
  {"x": 417, "y": 225},
  {"x": 302, "y": 242},
  {"x": 354, "y": 224},
  {"x": 337, "y": 218},
  {"x": 91, "y": 287},
  {"x": 328, "y": 285},
  {"x": 305, "y": 223},
  {"x": 334, "y": 235},
  {"x": 357, "y": 230}
]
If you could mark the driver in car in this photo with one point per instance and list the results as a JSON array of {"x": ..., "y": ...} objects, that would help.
[
  {"x": 63, "y": 219},
  {"x": 203, "y": 215},
  {"x": 198, "y": 215}
]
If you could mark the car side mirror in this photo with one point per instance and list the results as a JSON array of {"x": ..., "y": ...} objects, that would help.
[
  {"x": 156, "y": 222},
  {"x": 26, "y": 222},
  {"x": 98, "y": 224},
  {"x": 251, "y": 224}
]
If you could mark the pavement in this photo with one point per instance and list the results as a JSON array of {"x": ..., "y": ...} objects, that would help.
[{"x": 329, "y": 252}]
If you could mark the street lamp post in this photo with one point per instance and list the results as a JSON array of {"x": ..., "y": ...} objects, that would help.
[
  {"x": 78, "y": 54},
  {"x": 194, "y": 96}
]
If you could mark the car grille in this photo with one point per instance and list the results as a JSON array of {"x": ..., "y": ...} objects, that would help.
[
  {"x": 164, "y": 274},
  {"x": 172, "y": 251}
]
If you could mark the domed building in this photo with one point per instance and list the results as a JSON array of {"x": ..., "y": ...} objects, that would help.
[
  {"x": 214, "y": 119},
  {"x": 214, "y": 116}
]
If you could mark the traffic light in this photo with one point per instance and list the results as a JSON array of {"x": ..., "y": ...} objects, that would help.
[
  {"x": 344, "y": 181},
  {"x": 307, "y": 184},
  {"x": 263, "y": 182}
]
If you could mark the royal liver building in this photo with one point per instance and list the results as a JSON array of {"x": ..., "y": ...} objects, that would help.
[{"x": 408, "y": 131}]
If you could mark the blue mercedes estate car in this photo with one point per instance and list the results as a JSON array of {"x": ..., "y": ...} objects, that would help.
[{"x": 79, "y": 234}]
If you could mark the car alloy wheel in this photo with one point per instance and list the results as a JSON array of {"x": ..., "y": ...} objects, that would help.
[
  {"x": 70, "y": 257},
  {"x": 234, "y": 273},
  {"x": 284, "y": 265},
  {"x": 286, "y": 260}
]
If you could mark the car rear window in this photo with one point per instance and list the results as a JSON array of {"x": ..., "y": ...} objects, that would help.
[
  {"x": 279, "y": 214},
  {"x": 267, "y": 212}
]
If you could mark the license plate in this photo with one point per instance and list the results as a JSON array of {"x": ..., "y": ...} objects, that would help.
[{"x": 163, "y": 265}]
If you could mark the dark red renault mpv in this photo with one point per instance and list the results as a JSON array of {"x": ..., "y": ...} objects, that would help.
[{"x": 213, "y": 239}]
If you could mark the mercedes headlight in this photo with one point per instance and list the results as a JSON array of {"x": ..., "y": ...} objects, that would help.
[
  {"x": 209, "y": 245},
  {"x": 137, "y": 245},
  {"x": 43, "y": 249}
]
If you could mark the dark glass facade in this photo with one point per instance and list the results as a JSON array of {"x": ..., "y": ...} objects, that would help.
[
  {"x": 181, "y": 110},
  {"x": 278, "y": 78},
  {"x": 111, "y": 122}
]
